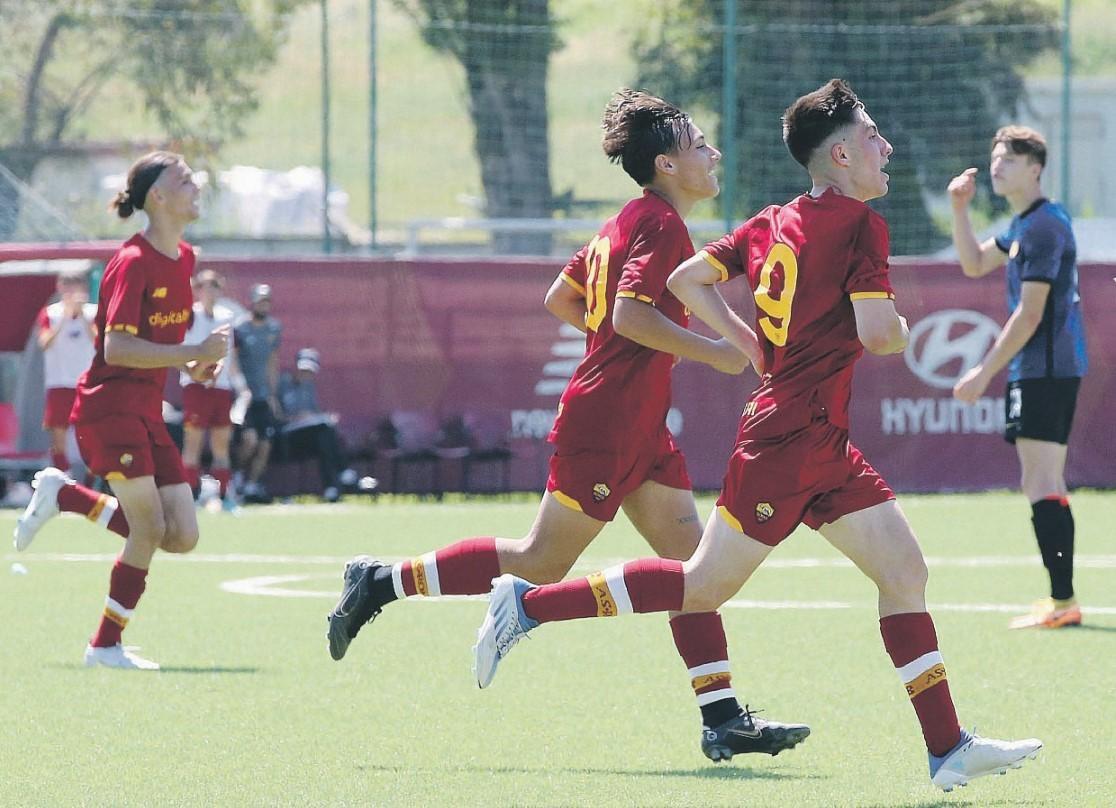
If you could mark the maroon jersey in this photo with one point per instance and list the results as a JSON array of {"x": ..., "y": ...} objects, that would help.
[
  {"x": 144, "y": 293},
  {"x": 806, "y": 262},
  {"x": 620, "y": 392}
]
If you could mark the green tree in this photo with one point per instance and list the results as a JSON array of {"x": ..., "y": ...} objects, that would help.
[
  {"x": 938, "y": 76},
  {"x": 190, "y": 62},
  {"x": 504, "y": 47}
]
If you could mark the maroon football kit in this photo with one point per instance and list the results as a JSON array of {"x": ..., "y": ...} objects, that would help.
[
  {"x": 118, "y": 411},
  {"x": 805, "y": 262},
  {"x": 610, "y": 435}
]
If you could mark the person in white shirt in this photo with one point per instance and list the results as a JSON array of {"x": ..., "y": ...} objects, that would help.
[
  {"x": 65, "y": 334},
  {"x": 208, "y": 406}
]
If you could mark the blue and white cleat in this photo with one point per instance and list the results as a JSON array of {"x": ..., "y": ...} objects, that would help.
[
  {"x": 504, "y": 625},
  {"x": 975, "y": 756},
  {"x": 42, "y": 507}
]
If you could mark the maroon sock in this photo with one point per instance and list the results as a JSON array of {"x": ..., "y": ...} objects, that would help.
[
  {"x": 464, "y": 568},
  {"x": 647, "y": 585},
  {"x": 222, "y": 477},
  {"x": 101, "y": 509},
  {"x": 60, "y": 461},
  {"x": 701, "y": 642},
  {"x": 912, "y": 644},
  {"x": 126, "y": 584},
  {"x": 193, "y": 477}
]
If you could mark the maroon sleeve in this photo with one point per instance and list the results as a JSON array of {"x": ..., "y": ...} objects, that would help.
[
  {"x": 122, "y": 292},
  {"x": 868, "y": 276},
  {"x": 655, "y": 249},
  {"x": 727, "y": 252},
  {"x": 575, "y": 272},
  {"x": 43, "y": 320}
]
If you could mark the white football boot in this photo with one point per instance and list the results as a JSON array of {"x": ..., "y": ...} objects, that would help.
[
  {"x": 975, "y": 756},
  {"x": 504, "y": 625},
  {"x": 43, "y": 505},
  {"x": 117, "y": 656}
]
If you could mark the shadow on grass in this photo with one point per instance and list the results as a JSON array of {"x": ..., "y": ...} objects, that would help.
[
  {"x": 732, "y": 772},
  {"x": 952, "y": 800},
  {"x": 1091, "y": 627},
  {"x": 173, "y": 669}
]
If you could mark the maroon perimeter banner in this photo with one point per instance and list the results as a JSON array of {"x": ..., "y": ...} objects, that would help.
[{"x": 430, "y": 340}]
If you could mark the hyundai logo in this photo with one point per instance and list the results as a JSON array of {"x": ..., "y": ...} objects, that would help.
[{"x": 947, "y": 343}]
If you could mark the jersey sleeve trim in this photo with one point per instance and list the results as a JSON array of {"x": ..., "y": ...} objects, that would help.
[
  {"x": 705, "y": 256},
  {"x": 1002, "y": 244},
  {"x": 567, "y": 500},
  {"x": 131, "y": 329},
  {"x": 637, "y": 296},
  {"x": 1038, "y": 279},
  {"x": 732, "y": 521},
  {"x": 871, "y": 296},
  {"x": 573, "y": 283}
]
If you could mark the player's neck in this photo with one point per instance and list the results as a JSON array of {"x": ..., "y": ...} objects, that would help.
[
  {"x": 1023, "y": 199},
  {"x": 838, "y": 184},
  {"x": 676, "y": 200},
  {"x": 164, "y": 237}
]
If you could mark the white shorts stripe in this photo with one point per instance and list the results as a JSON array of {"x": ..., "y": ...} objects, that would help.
[
  {"x": 397, "y": 580},
  {"x": 715, "y": 695},
  {"x": 116, "y": 607},
  {"x": 614, "y": 577},
  {"x": 430, "y": 566},
  {"x": 111, "y": 504},
  {"x": 920, "y": 665},
  {"x": 721, "y": 666}
]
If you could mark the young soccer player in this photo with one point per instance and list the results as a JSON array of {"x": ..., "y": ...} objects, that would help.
[
  {"x": 1042, "y": 345},
  {"x": 818, "y": 269},
  {"x": 142, "y": 316},
  {"x": 65, "y": 334},
  {"x": 207, "y": 406},
  {"x": 612, "y": 447}
]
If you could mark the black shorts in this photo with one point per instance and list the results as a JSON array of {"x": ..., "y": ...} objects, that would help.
[
  {"x": 261, "y": 419},
  {"x": 1040, "y": 409}
]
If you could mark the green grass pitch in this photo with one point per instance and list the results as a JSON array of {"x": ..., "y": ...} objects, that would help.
[{"x": 250, "y": 710}]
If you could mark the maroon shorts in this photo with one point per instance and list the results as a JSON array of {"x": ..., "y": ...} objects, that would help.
[
  {"x": 206, "y": 407},
  {"x": 59, "y": 402},
  {"x": 814, "y": 476},
  {"x": 124, "y": 447},
  {"x": 596, "y": 483}
]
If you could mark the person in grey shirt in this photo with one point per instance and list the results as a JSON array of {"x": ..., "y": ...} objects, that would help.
[
  {"x": 308, "y": 431},
  {"x": 257, "y": 351}
]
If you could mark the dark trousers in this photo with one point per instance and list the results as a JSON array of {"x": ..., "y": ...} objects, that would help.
[{"x": 318, "y": 441}]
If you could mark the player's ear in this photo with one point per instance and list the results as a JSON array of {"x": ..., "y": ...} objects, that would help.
[
  {"x": 839, "y": 153},
  {"x": 664, "y": 164}
]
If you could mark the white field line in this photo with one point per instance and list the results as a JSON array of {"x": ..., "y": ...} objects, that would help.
[
  {"x": 1080, "y": 561},
  {"x": 273, "y": 586}
]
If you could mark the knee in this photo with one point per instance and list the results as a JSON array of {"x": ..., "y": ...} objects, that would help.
[
  {"x": 905, "y": 580},
  {"x": 180, "y": 539}
]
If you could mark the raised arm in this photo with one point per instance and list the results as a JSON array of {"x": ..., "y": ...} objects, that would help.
[{"x": 977, "y": 258}]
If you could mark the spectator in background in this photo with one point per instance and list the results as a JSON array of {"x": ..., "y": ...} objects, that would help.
[
  {"x": 66, "y": 334},
  {"x": 257, "y": 353},
  {"x": 207, "y": 406},
  {"x": 309, "y": 432}
]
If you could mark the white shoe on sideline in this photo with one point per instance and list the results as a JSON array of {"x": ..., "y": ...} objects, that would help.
[
  {"x": 117, "y": 656},
  {"x": 975, "y": 756},
  {"x": 42, "y": 507}
]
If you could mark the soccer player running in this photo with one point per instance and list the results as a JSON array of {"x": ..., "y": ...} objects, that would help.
[
  {"x": 818, "y": 269},
  {"x": 613, "y": 449},
  {"x": 65, "y": 335},
  {"x": 142, "y": 316},
  {"x": 1042, "y": 344}
]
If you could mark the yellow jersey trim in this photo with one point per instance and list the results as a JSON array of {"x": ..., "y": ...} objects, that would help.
[
  {"x": 567, "y": 500},
  {"x": 640, "y": 298},
  {"x": 115, "y": 475},
  {"x": 871, "y": 296},
  {"x": 709, "y": 259},
  {"x": 131, "y": 329},
  {"x": 733, "y": 522},
  {"x": 573, "y": 283}
]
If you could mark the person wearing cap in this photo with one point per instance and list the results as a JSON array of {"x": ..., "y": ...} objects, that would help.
[
  {"x": 308, "y": 431},
  {"x": 257, "y": 339}
]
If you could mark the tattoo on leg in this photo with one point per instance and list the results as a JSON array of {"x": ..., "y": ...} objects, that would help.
[{"x": 693, "y": 517}]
